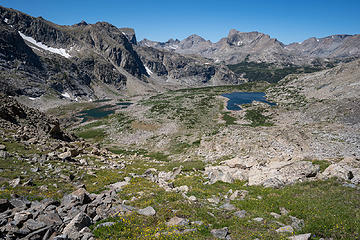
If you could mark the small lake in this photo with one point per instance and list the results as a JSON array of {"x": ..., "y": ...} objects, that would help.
[
  {"x": 239, "y": 98},
  {"x": 101, "y": 112}
]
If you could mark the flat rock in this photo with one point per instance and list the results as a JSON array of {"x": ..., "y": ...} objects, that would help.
[
  {"x": 228, "y": 206},
  {"x": 305, "y": 236},
  {"x": 34, "y": 225},
  {"x": 118, "y": 186},
  {"x": 221, "y": 233},
  {"x": 177, "y": 221},
  {"x": 240, "y": 214},
  {"x": 15, "y": 182},
  {"x": 148, "y": 211},
  {"x": 258, "y": 219},
  {"x": 275, "y": 215},
  {"x": 105, "y": 224},
  {"x": 285, "y": 229}
]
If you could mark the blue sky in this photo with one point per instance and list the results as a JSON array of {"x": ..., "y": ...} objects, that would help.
[{"x": 288, "y": 21}]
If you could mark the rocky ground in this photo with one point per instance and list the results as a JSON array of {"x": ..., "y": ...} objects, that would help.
[{"x": 179, "y": 165}]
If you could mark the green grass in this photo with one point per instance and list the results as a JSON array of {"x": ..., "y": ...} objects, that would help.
[
  {"x": 93, "y": 134},
  {"x": 323, "y": 164},
  {"x": 229, "y": 120},
  {"x": 268, "y": 72},
  {"x": 256, "y": 117}
]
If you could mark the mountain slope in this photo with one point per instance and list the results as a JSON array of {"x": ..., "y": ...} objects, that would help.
[{"x": 87, "y": 61}]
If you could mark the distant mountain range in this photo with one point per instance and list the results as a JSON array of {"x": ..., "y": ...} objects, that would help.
[
  {"x": 83, "y": 61},
  {"x": 260, "y": 47}
]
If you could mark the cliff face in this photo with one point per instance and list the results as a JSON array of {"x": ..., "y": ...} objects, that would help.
[{"x": 38, "y": 57}]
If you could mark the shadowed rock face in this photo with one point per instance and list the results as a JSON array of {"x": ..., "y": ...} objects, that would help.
[
  {"x": 71, "y": 60},
  {"x": 14, "y": 115},
  {"x": 255, "y": 46}
]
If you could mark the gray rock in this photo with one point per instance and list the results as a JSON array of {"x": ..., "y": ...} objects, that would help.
[
  {"x": 192, "y": 198},
  {"x": 240, "y": 214},
  {"x": 214, "y": 199},
  {"x": 275, "y": 215},
  {"x": 15, "y": 182},
  {"x": 21, "y": 217},
  {"x": 177, "y": 221},
  {"x": 258, "y": 219},
  {"x": 197, "y": 223},
  {"x": 119, "y": 185},
  {"x": 50, "y": 219},
  {"x": 285, "y": 229},
  {"x": 297, "y": 224},
  {"x": 2, "y": 147},
  {"x": 76, "y": 225},
  {"x": 34, "y": 225},
  {"x": 148, "y": 211},
  {"x": 4, "y": 154},
  {"x": 273, "y": 183},
  {"x": 105, "y": 224},
  {"x": 61, "y": 237},
  {"x": 305, "y": 236},
  {"x": 283, "y": 211},
  {"x": 221, "y": 233},
  {"x": 228, "y": 207},
  {"x": 82, "y": 195}
]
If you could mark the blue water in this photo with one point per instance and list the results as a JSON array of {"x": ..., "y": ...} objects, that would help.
[
  {"x": 96, "y": 113},
  {"x": 103, "y": 111},
  {"x": 239, "y": 98}
]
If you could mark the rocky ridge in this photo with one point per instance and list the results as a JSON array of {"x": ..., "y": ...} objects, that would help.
[
  {"x": 86, "y": 61},
  {"x": 259, "y": 47}
]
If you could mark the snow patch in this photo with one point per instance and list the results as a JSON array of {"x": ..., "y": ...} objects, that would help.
[
  {"x": 32, "y": 98},
  {"x": 65, "y": 94},
  {"x": 148, "y": 70},
  {"x": 174, "y": 46},
  {"x": 217, "y": 61},
  {"x": 6, "y": 21},
  {"x": 59, "y": 51},
  {"x": 239, "y": 43},
  {"x": 317, "y": 40}
]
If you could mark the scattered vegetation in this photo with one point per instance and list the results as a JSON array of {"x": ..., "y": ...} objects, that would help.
[
  {"x": 257, "y": 118},
  {"x": 269, "y": 72}
]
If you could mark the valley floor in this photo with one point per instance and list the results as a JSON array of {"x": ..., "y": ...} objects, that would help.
[{"x": 179, "y": 165}]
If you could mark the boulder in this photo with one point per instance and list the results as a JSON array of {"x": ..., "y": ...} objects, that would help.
[
  {"x": 21, "y": 217},
  {"x": 15, "y": 182},
  {"x": 79, "y": 222},
  {"x": 33, "y": 225},
  {"x": 148, "y": 211},
  {"x": 177, "y": 221},
  {"x": 347, "y": 169},
  {"x": 222, "y": 233},
  {"x": 50, "y": 219},
  {"x": 224, "y": 174},
  {"x": 285, "y": 229},
  {"x": 281, "y": 173}
]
